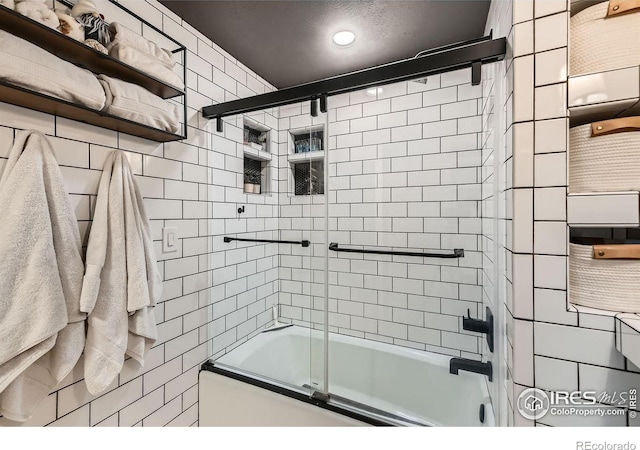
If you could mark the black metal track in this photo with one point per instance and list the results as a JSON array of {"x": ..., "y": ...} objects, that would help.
[
  {"x": 304, "y": 243},
  {"x": 457, "y": 253},
  {"x": 452, "y": 57}
]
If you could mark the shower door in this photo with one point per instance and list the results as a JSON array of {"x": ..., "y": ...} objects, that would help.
[
  {"x": 270, "y": 247},
  {"x": 303, "y": 217},
  {"x": 405, "y": 260}
]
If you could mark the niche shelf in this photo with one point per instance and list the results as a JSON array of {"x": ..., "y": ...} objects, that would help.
[
  {"x": 627, "y": 328},
  {"x": 604, "y": 209},
  {"x": 257, "y": 156},
  {"x": 306, "y": 160},
  {"x": 604, "y": 95},
  {"x": 86, "y": 57}
]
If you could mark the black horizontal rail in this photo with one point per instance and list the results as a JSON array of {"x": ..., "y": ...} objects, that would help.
[
  {"x": 304, "y": 243},
  {"x": 457, "y": 253},
  {"x": 471, "y": 53}
]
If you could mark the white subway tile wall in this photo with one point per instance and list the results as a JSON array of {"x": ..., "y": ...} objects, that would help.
[
  {"x": 423, "y": 192},
  {"x": 215, "y": 294},
  {"x": 549, "y": 345}
]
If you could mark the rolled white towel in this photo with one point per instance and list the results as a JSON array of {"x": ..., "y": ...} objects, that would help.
[
  {"x": 38, "y": 12},
  {"x": 132, "y": 102},
  {"x": 146, "y": 63},
  {"x": 123, "y": 35},
  {"x": 7, "y": 4}
]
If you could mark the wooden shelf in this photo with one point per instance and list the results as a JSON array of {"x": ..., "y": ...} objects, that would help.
[
  {"x": 79, "y": 54},
  {"x": 40, "y": 102}
]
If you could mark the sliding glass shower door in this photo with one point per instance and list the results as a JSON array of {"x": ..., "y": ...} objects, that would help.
[
  {"x": 405, "y": 259},
  {"x": 303, "y": 217}
]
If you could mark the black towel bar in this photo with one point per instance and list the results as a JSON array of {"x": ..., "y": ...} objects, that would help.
[
  {"x": 304, "y": 243},
  {"x": 457, "y": 253}
]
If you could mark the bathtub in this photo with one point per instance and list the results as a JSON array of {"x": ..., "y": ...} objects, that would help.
[{"x": 394, "y": 384}]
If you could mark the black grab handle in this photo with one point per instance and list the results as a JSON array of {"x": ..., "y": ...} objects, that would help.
[
  {"x": 457, "y": 253},
  {"x": 304, "y": 243}
]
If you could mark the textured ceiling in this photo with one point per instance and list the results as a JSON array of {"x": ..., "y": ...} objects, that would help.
[{"x": 289, "y": 42}]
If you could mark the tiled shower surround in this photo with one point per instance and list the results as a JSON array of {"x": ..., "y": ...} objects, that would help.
[
  {"x": 404, "y": 173},
  {"x": 214, "y": 295}
]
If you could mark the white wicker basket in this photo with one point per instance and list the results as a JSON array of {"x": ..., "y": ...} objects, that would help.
[
  {"x": 605, "y": 156},
  {"x": 598, "y": 279},
  {"x": 605, "y": 36}
]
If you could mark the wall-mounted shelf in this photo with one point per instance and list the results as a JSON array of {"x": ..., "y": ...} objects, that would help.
[
  {"x": 79, "y": 54},
  {"x": 51, "y": 105},
  {"x": 604, "y": 95},
  {"x": 256, "y": 154},
  {"x": 307, "y": 156},
  {"x": 604, "y": 209},
  {"x": 627, "y": 327}
]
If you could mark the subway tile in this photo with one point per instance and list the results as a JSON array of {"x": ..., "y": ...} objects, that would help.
[
  {"x": 522, "y": 38},
  {"x": 523, "y": 86},
  {"x": 392, "y": 329},
  {"x": 376, "y": 107},
  {"x": 396, "y": 119},
  {"x": 550, "y": 170},
  {"x": 161, "y": 375},
  {"x": 551, "y": 32},
  {"x": 405, "y": 102},
  {"x": 551, "y": 136},
  {"x": 164, "y": 415},
  {"x": 461, "y": 142},
  {"x": 114, "y": 401},
  {"x": 555, "y": 374},
  {"x": 551, "y": 67},
  {"x": 78, "y": 418},
  {"x": 550, "y": 238},
  {"x": 551, "y": 101},
  {"x": 140, "y": 409},
  {"x": 424, "y": 335},
  {"x": 27, "y": 119},
  {"x": 577, "y": 344}
]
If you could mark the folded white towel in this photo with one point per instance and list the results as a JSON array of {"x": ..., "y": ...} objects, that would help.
[
  {"x": 121, "y": 283},
  {"x": 7, "y": 4},
  {"x": 146, "y": 63},
  {"x": 41, "y": 264},
  {"x": 123, "y": 35},
  {"x": 38, "y": 12},
  {"x": 135, "y": 103},
  {"x": 27, "y": 65}
]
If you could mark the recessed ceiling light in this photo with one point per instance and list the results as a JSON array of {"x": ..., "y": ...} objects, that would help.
[{"x": 344, "y": 38}]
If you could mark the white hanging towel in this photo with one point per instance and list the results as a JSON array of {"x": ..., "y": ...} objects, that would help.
[
  {"x": 41, "y": 326},
  {"x": 122, "y": 282}
]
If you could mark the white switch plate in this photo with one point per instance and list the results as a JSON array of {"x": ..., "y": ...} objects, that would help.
[{"x": 169, "y": 239}]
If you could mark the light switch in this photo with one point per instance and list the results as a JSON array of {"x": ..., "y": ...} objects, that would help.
[{"x": 169, "y": 239}]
